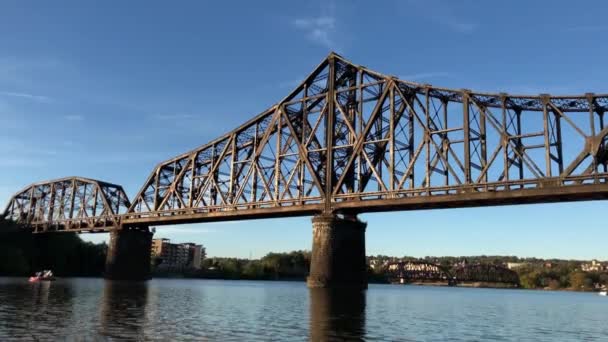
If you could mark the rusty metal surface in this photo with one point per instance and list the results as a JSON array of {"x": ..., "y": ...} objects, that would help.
[
  {"x": 421, "y": 271},
  {"x": 349, "y": 139},
  {"x": 69, "y": 204}
]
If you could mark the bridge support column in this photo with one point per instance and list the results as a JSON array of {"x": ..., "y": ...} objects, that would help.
[
  {"x": 129, "y": 254},
  {"x": 338, "y": 253}
]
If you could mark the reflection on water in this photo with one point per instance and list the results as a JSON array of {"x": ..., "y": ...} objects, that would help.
[
  {"x": 123, "y": 309},
  {"x": 336, "y": 314},
  {"x": 40, "y": 294},
  {"x": 27, "y": 310},
  {"x": 206, "y": 310}
]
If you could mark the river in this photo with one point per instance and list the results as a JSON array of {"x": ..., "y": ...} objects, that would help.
[{"x": 165, "y": 309}]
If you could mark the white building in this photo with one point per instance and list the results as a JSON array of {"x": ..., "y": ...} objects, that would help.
[
  {"x": 177, "y": 256},
  {"x": 594, "y": 266}
]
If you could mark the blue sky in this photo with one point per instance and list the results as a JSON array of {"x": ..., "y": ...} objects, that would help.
[{"x": 106, "y": 90}]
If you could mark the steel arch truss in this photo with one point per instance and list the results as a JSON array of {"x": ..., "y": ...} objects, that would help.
[
  {"x": 349, "y": 139},
  {"x": 69, "y": 204},
  {"x": 418, "y": 271}
]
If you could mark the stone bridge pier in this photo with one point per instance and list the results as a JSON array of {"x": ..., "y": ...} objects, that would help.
[
  {"x": 338, "y": 252},
  {"x": 128, "y": 255}
]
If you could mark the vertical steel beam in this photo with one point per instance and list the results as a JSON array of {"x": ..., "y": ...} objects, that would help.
[
  {"x": 277, "y": 165},
  {"x": 591, "y": 103},
  {"x": 254, "y": 166},
  {"x": 329, "y": 133},
  {"x": 467, "y": 136},
  {"x": 359, "y": 128},
  {"x": 559, "y": 142},
  {"x": 505, "y": 137},
  {"x": 156, "y": 185},
  {"x": 411, "y": 138},
  {"x": 545, "y": 100},
  {"x": 483, "y": 143},
  {"x": 445, "y": 141},
  {"x": 73, "y": 199},
  {"x": 392, "y": 124},
  {"x": 233, "y": 160},
  {"x": 31, "y": 211},
  {"x": 600, "y": 113},
  {"x": 519, "y": 144},
  {"x": 351, "y": 116},
  {"x": 428, "y": 135},
  {"x": 62, "y": 201},
  {"x": 51, "y": 204},
  {"x": 192, "y": 178},
  {"x": 302, "y": 171},
  {"x": 95, "y": 200},
  {"x": 213, "y": 191}
]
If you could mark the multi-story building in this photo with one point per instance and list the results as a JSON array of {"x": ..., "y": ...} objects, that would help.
[
  {"x": 594, "y": 266},
  {"x": 167, "y": 255}
]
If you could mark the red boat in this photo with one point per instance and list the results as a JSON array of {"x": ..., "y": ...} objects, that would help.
[{"x": 42, "y": 276}]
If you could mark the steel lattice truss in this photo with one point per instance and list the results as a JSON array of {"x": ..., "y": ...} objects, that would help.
[
  {"x": 350, "y": 140},
  {"x": 413, "y": 271},
  {"x": 69, "y": 204},
  {"x": 394, "y": 145}
]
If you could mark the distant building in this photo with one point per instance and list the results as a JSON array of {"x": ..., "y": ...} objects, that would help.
[
  {"x": 377, "y": 264},
  {"x": 512, "y": 265},
  {"x": 177, "y": 255},
  {"x": 594, "y": 266}
]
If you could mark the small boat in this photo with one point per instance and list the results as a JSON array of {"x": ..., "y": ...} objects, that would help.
[
  {"x": 603, "y": 293},
  {"x": 42, "y": 276}
]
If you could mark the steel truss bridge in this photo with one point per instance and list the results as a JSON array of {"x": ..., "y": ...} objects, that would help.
[
  {"x": 420, "y": 271},
  {"x": 350, "y": 140}
]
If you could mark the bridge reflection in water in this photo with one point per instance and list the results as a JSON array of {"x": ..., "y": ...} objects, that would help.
[
  {"x": 337, "y": 314},
  {"x": 123, "y": 310}
]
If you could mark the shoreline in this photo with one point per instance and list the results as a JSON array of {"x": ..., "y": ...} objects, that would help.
[{"x": 472, "y": 285}]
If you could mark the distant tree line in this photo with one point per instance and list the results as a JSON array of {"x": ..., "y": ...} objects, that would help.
[
  {"x": 23, "y": 253},
  {"x": 565, "y": 275},
  {"x": 274, "y": 266},
  {"x": 534, "y": 273}
]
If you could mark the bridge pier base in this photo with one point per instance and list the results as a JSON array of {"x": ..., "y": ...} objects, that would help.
[
  {"x": 338, "y": 253},
  {"x": 128, "y": 255}
]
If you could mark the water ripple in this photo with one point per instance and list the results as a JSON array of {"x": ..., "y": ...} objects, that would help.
[{"x": 203, "y": 310}]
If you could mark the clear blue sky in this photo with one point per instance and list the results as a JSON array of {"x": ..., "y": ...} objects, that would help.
[{"x": 108, "y": 89}]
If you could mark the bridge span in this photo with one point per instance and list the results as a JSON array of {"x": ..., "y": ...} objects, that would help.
[
  {"x": 461, "y": 273},
  {"x": 350, "y": 140}
]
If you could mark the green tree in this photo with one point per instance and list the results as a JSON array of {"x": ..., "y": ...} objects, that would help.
[
  {"x": 580, "y": 281},
  {"x": 13, "y": 261},
  {"x": 253, "y": 270},
  {"x": 529, "y": 278}
]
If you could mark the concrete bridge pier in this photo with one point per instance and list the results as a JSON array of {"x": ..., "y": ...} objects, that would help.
[
  {"x": 129, "y": 254},
  {"x": 338, "y": 253}
]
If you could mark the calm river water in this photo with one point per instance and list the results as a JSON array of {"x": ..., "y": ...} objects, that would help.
[{"x": 201, "y": 310}]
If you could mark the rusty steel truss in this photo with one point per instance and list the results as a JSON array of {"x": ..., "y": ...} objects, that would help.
[
  {"x": 350, "y": 140},
  {"x": 69, "y": 204},
  {"x": 421, "y": 271}
]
